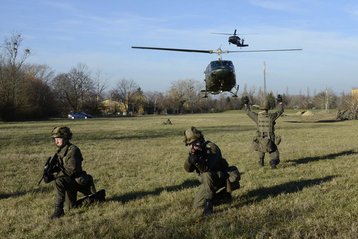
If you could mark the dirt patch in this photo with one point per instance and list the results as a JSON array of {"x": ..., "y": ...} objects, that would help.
[
  {"x": 309, "y": 116},
  {"x": 308, "y": 113}
]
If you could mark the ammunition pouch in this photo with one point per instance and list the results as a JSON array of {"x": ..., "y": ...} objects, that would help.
[
  {"x": 233, "y": 180},
  {"x": 256, "y": 144},
  {"x": 83, "y": 178},
  {"x": 263, "y": 144}
]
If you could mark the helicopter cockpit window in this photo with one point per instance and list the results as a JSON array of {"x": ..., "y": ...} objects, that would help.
[
  {"x": 215, "y": 64},
  {"x": 228, "y": 63}
]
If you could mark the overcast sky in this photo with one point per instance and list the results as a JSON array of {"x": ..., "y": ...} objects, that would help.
[{"x": 99, "y": 34}]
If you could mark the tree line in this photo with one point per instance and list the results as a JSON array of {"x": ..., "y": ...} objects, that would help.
[{"x": 30, "y": 91}]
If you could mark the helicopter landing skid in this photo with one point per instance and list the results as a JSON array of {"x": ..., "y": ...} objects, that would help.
[{"x": 234, "y": 94}]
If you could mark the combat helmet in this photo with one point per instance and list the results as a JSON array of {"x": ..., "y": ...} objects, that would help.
[
  {"x": 192, "y": 134},
  {"x": 61, "y": 132}
]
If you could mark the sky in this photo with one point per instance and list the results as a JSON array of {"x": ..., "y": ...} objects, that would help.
[{"x": 99, "y": 34}]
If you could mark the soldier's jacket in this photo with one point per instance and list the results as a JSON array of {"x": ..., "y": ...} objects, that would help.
[
  {"x": 70, "y": 159},
  {"x": 209, "y": 159},
  {"x": 271, "y": 118}
]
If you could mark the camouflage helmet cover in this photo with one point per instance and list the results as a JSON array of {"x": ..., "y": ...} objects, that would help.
[
  {"x": 192, "y": 134},
  {"x": 61, "y": 132}
]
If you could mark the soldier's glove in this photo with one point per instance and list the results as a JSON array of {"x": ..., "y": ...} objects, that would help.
[
  {"x": 279, "y": 98},
  {"x": 246, "y": 100},
  {"x": 48, "y": 178}
]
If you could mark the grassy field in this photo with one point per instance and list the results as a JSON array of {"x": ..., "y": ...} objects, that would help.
[{"x": 139, "y": 161}]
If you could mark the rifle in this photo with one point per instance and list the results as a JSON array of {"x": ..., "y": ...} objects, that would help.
[{"x": 51, "y": 166}]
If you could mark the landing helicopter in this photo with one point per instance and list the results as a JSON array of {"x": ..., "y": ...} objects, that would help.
[
  {"x": 235, "y": 39},
  {"x": 219, "y": 74}
]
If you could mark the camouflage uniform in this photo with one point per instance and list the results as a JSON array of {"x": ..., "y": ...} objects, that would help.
[
  {"x": 205, "y": 158},
  {"x": 71, "y": 178},
  {"x": 265, "y": 141}
]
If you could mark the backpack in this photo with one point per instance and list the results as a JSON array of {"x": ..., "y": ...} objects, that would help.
[{"x": 233, "y": 181}]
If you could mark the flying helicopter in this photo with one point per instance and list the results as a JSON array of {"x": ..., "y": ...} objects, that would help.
[
  {"x": 235, "y": 39},
  {"x": 219, "y": 74}
]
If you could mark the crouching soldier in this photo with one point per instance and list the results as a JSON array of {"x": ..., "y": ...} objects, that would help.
[
  {"x": 205, "y": 158},
  {"x": 65, "y": 169}
]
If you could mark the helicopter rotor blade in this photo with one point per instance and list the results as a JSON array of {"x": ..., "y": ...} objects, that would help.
[
  {"x": 267, "y": 50},
  {"x": 174, "y": 49},
  {"x": 221, "y": 33},
  {"x": 219, "y": 51},
  {"x": 230, "y": 34}
]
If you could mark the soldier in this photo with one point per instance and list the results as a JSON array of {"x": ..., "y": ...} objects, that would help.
[
  {"x": 69, "y": 178},
  {"x": 205, "y": 158},
  {"x": 266, "y": 141}
]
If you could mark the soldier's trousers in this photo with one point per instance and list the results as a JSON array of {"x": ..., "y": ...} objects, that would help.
[
  {"x": 66, "y": 190},
  {"x": 274, "y": 158},
  {"x": 210, "y": 183}
]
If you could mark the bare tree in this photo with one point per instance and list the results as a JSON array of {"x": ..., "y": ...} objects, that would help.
[
  {"x": 100, "y": 83},
  {"x": 11, "y": 76},
  {"x": 37, "y": 99},
  {"x": 155, "y": 102},
  {"x": 75, "y": 89},
  {"x": 125, "y": 92},
  {"x": 325, "y": 100},
  {"x": 41, "y": 72},
  {"x": 15, "y": 60},
  {"x": 183, "y": 95}
]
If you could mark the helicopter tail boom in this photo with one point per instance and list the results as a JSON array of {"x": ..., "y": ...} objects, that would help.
[{"x": 173, "y": 49}]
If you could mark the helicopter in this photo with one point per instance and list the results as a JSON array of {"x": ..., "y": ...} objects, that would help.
[
  {"x": 219, "y": 74},
  {"x": 235, "y": 39}
]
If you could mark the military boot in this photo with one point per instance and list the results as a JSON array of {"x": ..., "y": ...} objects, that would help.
[
  {"x": 208, "y": 208},
  {"x": 57, "y": 213},
  {"x": 222, "y": 197},
  {"x": 274, "y": 163}
]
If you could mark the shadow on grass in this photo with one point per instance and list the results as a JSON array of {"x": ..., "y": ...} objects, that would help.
[
  {"x": 260, "y": 194},
  {"x": 12, "y": 195},
  {"x": 314, "y": 121},
  {"x": 22, "y": 193},
  {"x": 323, "y": 157},
  {"x": 141, "y": 194}
]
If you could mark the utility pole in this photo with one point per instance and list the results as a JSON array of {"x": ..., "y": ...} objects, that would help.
[
  {"x": 264, "y": 78},
  {"x": 326, "y": 100}
]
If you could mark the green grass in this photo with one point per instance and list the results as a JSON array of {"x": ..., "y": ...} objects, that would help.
[{"x": 139, "y": 161}]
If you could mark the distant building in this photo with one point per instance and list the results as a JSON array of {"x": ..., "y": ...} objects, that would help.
[{"x": 355, "y": 93}]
